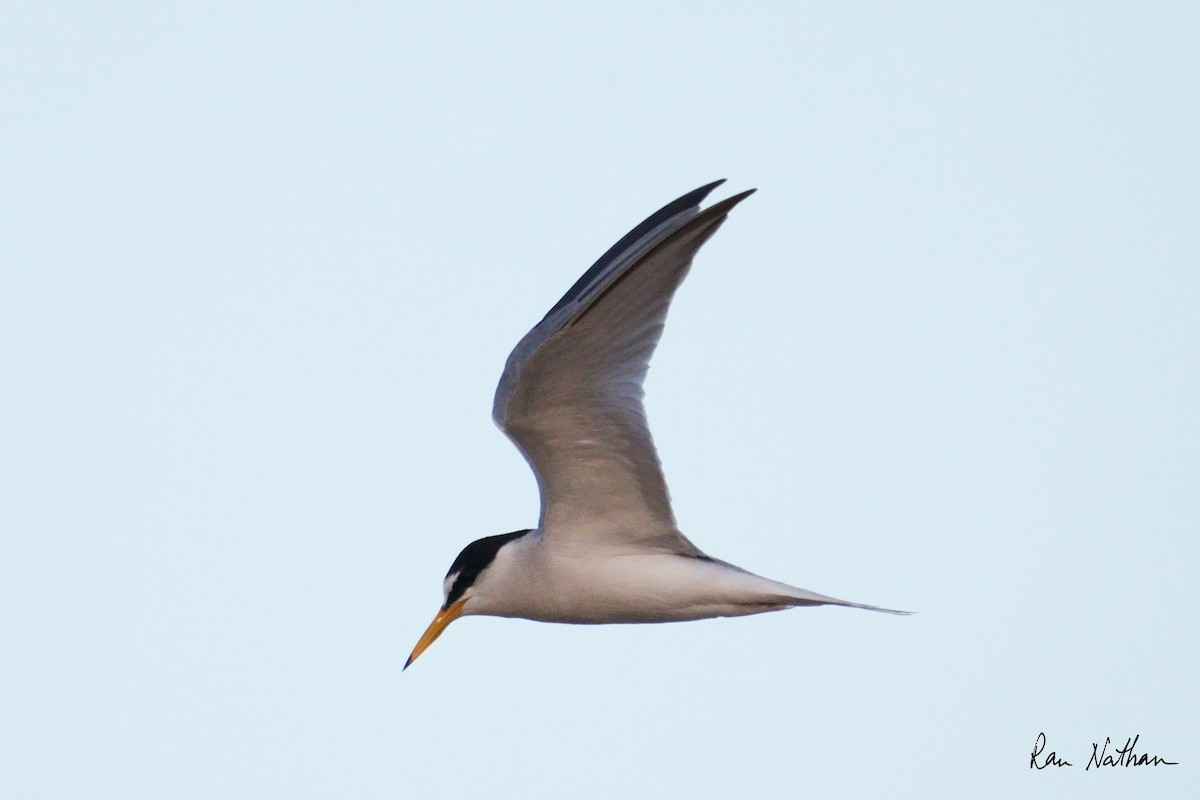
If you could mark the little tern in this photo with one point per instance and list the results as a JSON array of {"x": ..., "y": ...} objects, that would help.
[{"x": 606, "y": 548}]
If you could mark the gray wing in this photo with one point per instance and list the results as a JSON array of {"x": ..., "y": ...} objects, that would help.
[{"x": 571, "y": 394}]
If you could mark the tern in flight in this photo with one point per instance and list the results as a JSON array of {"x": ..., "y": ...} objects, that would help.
[{"x": 606, "y": 548}]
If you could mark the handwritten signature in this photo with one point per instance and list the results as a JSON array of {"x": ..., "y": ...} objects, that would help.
[{"x": 1101, "y": 757}]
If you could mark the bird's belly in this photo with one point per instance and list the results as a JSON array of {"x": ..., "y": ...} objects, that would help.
[{"x": 641, "y": 588}]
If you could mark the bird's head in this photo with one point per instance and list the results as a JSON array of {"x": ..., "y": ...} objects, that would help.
[{"x": 462, "y": 586}]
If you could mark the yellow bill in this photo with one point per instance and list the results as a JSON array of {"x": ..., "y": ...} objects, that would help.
[{"x": 443, "y": 619}]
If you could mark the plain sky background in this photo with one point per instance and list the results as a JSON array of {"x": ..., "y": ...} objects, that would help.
[{"x": 262, "y": 264}]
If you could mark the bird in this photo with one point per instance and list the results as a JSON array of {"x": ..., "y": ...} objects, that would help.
[{"x": 606, "y": 548}]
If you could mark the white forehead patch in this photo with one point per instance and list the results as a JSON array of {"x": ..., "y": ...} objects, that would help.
[{"x": 448, "y": 584}]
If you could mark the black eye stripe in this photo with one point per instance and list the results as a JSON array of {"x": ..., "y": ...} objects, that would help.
[
  {"x": 460, "y": 586},
  {"x": 474, "y": 559}
]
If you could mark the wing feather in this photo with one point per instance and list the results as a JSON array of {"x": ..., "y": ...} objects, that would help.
[{"x": 571, "y": 394}]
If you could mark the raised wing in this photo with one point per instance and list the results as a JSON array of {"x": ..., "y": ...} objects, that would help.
[{"x": 571, "y": 394}]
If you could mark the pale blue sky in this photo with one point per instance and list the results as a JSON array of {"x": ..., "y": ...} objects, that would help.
[{"x": 262, "y": 265}]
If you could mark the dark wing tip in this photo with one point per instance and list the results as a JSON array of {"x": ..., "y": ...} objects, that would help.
[
  {"x": 728, "y": 203},
  {"x": 711, "y": 218},
  {"x": 696, "y": 196},
  {"x": 676, "y": 206}
]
